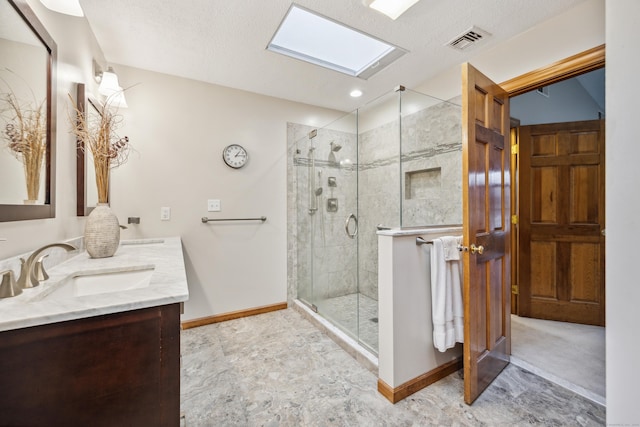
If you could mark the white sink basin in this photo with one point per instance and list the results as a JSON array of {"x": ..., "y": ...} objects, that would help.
[{"x": 93, "y": 283}]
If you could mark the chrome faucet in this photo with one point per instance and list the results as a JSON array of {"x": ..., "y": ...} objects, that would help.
[{"x": 32, "y": 271}]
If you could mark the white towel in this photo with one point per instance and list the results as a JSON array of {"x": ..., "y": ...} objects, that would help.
[
  {"x": 446, "y": 299},
  {"x": 450, "y": 247}
]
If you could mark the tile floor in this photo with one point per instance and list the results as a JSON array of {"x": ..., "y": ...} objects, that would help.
[
  {"x": 277, "y": 369},
  {"x": 356, "y": 314},
  {"x": 568, "y": 354}
]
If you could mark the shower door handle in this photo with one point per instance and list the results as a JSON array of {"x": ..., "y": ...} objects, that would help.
[{"x": 346, "y": 226}]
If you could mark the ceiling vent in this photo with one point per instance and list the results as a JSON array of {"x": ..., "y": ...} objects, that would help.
[
  {"x": 469, "y": 38},
  {"x": 544, "y": 91}
]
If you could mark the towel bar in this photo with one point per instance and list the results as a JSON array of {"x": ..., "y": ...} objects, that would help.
[
  {"x": 205, "y": 219},
  {"x": 421, "y": 241}
]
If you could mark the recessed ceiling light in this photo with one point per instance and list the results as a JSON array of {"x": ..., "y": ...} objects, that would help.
[
  {"x": 356, "y": 93},
  {"x": 313, "y": 38},
  {"x": 392, "y": 8}
]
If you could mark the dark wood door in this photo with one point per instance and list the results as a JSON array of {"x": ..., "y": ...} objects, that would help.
[
  {"x": 486, "y": 231},
  {"x": 561, "y": 222}
]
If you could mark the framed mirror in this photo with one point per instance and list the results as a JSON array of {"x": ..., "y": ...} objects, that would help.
[
  {"x": 86, "y": 190},
  {"x": 27, "y": 107}
]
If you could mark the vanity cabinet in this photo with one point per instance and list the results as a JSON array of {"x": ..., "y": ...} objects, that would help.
[{"x": 120, "y": 369}]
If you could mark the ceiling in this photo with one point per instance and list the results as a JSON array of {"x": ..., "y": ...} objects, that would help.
[
  {"x": 224, "y": 41},
  {"x": 594, "y": 84}
]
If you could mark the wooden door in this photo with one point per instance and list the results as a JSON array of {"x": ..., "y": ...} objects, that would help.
[
  {"x": 561, "y": 222},
  {"x": 486, "y": 223}
]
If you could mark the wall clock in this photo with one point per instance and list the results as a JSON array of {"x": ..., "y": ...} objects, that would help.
[{"x": 235, "y": 156}]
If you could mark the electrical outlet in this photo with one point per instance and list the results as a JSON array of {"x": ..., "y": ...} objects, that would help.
[
  {"x": 213, "y": 205},
  {"x": 165, "y": 214}
]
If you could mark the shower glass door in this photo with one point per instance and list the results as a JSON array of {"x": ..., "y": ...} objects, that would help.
[
  {"x": 333, "y": 217},
  {"x": 378, "y": 200},
  {"x": 348, "y": 184}
]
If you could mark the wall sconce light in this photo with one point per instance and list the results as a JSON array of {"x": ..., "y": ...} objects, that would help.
[
  {"x": 68, "y": 7},
  {"x": 109, "y": 86},
  {"x": 392, "y": 8}
]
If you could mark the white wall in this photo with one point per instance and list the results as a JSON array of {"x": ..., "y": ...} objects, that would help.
[
  {"x": 178, "y": 128},
  {"x": 406, "y": 344},
  {"x": 623, "y": 205},
  {"x": 572, "y": 32},
  {"x": 76, "y": 48},
  {"x": 568, "y": 101}
]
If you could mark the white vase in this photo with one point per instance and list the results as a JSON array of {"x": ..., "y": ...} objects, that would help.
[{"x": 101, "y": 232}]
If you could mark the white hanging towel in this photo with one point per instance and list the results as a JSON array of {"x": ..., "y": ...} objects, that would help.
[
  {"x": 450, "y": 246},
  {"x": 446, "y": 293}
]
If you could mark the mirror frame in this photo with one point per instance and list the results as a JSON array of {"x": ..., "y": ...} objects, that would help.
[
  {"x": 48, "y": 209},
  {"x": 81, "y": 185},
  {"x": 84, "y": 103}
]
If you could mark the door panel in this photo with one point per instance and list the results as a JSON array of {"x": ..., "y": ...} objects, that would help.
[
  {"x": 561, "y": 219},
  {"x": 486, "y": 224},
  {"x": 544, "y": 209}
]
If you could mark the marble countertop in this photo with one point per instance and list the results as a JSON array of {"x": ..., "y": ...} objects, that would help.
[
  {"x": 417, "y": 231},
  {"x": 168, "y": 284}
]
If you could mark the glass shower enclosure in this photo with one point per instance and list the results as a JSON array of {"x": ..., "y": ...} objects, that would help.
[{"x": 394, "y": 163}]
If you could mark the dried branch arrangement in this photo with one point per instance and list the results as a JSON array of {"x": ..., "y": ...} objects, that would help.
[
  {"x": 97, "y": 133},
  {"x": 25, "y": 131}
]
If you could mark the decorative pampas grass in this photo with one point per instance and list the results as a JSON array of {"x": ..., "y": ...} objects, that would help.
[
  {"x": 99, "y": 136},
  {"x": 25, "y": 132}
]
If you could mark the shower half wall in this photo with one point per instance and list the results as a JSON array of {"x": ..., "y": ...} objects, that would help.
[{"x": 396, "y": 162}]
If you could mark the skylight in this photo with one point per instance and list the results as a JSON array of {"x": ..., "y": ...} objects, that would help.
[{"x": 313, "y": 38}]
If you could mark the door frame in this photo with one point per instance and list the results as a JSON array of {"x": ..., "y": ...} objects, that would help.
[
  {"x": 572, "y": 66},
  {"x": 581, "y": 63}
]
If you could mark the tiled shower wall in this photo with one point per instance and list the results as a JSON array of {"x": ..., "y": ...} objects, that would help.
[
  {"x": 432, "y": 153},
  {"x": 428, "y": 190}
]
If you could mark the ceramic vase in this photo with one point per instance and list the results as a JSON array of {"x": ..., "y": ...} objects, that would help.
[{"x": 101, "y": 232}]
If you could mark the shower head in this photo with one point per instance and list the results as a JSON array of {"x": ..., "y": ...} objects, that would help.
[{"x": 335, "y": 147}]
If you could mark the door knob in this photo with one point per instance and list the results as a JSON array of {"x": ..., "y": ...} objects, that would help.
[{"x": 477, "y": 249}]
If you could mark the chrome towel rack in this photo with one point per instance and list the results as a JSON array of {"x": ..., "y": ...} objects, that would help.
[
  {"x": 421, "y": 241},
  {"x": 205, "y": 219}
]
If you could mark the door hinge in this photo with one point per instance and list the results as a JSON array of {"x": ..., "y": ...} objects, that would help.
[
  {"x": 515, "y": 289},
  {"x": 514, "y": 219},
  {"x": 515, "y": 149}
]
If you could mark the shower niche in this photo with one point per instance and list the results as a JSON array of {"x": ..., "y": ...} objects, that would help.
[
  {"x": 394, "y": 163},
  {"x": 418, "y": 184}
]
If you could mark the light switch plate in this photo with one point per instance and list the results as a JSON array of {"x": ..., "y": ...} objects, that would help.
[
  {"x": 213, "y": 205},
  {"x": 165, "y": 214}
]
